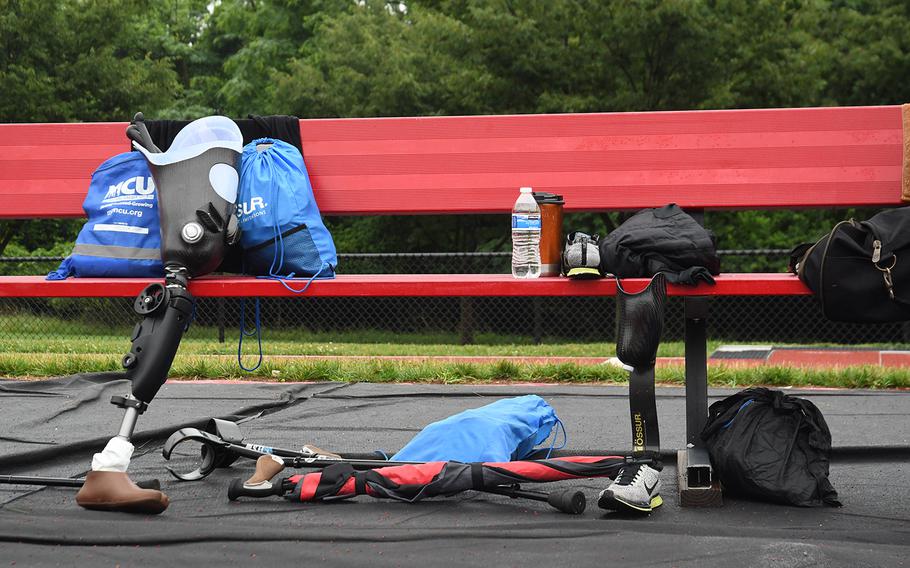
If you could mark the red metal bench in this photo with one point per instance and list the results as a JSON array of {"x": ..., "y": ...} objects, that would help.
[{"x": 739, "y": 159}]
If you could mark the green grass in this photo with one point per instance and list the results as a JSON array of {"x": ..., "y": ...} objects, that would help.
[
  {"x": 29, "y": 337},
  {"x": 279, "y": 369},
  {"x": 29, "y": 347}
]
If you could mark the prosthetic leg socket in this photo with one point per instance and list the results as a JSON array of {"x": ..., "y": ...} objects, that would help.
[
  {"x": 197, "y": 182},
  {"x": 640, "y": 322}
]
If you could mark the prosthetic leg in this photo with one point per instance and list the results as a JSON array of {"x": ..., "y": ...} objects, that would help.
[
  {"x": 197, "y": 183},
  {"x": 640, "y": 319},
  {"x": 639, "y": 324}
]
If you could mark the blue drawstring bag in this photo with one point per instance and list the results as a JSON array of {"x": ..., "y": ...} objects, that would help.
[
  {"x": 122, "y": 236},
  {"x": 506, "y": 430},
  {"x": 281, "y": 231}
]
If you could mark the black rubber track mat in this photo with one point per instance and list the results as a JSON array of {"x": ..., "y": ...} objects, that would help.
[{"x": 53, "y": 427}]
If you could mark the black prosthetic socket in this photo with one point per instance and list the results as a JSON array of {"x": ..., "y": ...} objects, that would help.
[
  {"x": 167, "y": 310},
  {"x": 194, "y": 234},
  {"x": 640, "y": 322},
  {"x": 197, "y": 220}
]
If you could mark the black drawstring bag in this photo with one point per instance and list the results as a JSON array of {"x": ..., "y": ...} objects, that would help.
[{"x": 770, "y": 446}]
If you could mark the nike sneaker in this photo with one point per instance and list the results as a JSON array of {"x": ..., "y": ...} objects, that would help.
[
  {"x": 636, "y": 488},
  {"x": 581, "y": 258}
]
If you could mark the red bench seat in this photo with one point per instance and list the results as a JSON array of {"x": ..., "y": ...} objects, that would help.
[{"x": 440, "y": 285}]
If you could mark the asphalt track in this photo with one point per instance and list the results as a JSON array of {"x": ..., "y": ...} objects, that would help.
[{"x": 53, "y": 427}]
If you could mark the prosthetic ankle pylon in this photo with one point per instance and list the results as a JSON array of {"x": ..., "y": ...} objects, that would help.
[{"x": 197, "y": 187}]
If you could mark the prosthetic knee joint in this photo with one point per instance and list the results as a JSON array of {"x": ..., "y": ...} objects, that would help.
[{"x": 197, "y": 183}]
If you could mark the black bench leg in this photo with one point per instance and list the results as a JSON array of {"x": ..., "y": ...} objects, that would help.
[
  {"x": 696, "y": 310},
  {"x": 696, "y": 486}
]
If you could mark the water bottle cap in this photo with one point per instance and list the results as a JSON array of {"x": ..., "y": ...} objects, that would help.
[{"x": 526, "y": 189}]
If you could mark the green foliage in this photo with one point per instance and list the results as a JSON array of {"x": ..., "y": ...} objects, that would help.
[
  {"x": 772, "y": 54},
  {"x": 372, "y": 61},
  {"x": 30, "y": 237},
  {"x": 82, "y": 60},
  {"x": 752, "y": 230},
  {"x": 870, "y": 51},
  {"x": 90, "y": 60}
]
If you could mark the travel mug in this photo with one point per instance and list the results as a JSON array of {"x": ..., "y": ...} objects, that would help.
[{"x": 550, "y": 232}]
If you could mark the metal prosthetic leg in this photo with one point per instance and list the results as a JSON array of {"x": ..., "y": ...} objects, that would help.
[{"x": 197, "y": 183}]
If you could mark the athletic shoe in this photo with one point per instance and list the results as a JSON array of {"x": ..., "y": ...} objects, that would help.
[
  {"x": 581, "y": 258},
  {"x": 636, "y": 488}
]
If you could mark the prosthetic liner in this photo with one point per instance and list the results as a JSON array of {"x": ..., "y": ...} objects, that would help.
[{"x": 197, "y": 183}]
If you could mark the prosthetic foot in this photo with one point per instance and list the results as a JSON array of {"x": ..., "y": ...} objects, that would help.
[
  {"x": 115, "y": 491},
  {"x": 197, "y": 183}
]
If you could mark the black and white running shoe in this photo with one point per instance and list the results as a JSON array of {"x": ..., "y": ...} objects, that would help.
[
  {"x": 636, "y": 488},
  {"x": 581, "y": 257}
]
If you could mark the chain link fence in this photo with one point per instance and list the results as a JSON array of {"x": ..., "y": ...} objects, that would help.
[{"x": 770, "y": 320}]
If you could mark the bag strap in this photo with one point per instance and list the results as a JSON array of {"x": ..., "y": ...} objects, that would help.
[
  {"x": 824, "y": 262},
  {"x": 884, "y": 260}
]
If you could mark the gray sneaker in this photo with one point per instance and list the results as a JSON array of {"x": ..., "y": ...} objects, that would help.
[
  {"x": 581, "y": 258},
  {"x": 636, "y": 488}
]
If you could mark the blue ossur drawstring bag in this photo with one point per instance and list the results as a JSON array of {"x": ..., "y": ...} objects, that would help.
[
  {"x": 281, "y": 230},
  {"x": 505, "y": 430},
  {"x": 122, "y": 236}
]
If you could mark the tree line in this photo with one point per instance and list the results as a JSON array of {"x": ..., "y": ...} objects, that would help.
[{"x": 84, "y": 60}]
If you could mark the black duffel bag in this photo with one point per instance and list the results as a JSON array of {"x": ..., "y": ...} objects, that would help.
[
  {"x": 860, "y": 272},
  {"x": 771, "y": 446}
]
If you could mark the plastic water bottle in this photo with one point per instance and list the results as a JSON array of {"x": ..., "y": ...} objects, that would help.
[{"x": 526, "y": 236}]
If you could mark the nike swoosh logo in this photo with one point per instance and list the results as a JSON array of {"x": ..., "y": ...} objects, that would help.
[{"x": 651, "y": 488}]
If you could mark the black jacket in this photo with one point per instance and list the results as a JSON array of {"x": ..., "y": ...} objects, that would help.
[{"x": 661, "y": 240}]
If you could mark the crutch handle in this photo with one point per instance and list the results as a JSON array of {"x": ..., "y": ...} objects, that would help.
[{"x": 239, "y": 489}]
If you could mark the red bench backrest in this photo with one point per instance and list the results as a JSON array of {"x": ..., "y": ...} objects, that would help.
[{"x": 817, "y": 157}]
